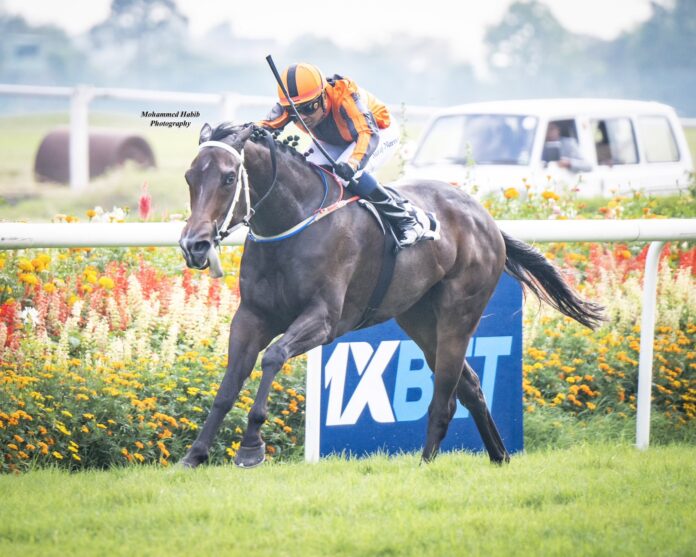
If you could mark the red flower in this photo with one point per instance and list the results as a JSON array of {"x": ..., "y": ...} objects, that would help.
[{"x": 145, "y": 204}]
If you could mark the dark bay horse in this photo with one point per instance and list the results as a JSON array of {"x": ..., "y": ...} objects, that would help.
[{"x": 308, "y": 289}]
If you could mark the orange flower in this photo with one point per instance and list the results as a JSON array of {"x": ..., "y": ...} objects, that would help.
[{"x": 511, "y": 193}]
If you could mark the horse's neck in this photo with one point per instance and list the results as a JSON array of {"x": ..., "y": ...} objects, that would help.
[{"x": 297, "y": 193}]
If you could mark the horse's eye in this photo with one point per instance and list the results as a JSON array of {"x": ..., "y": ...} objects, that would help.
[{"x": 229, "y": 179}]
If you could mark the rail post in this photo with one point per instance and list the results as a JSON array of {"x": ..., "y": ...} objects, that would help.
[
  {"x": 229, "y": 104},
  {"x": 79, "y": 137},
  {"x": 647, "y": 341}
]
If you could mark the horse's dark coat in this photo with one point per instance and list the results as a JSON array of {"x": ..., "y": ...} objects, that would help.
[{"x": 314, "y": 287}]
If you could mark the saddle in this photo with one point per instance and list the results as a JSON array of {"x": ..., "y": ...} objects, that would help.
[{"x": 428, "y": 225}]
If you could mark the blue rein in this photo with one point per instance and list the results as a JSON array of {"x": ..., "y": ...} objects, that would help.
[{"x": 301, "y": 225}]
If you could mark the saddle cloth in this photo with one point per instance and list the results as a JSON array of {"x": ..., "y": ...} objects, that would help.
[{"x": 427, "y": 227}]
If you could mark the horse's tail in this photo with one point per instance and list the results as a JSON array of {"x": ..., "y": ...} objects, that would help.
[{"x": 531, "y": 268}]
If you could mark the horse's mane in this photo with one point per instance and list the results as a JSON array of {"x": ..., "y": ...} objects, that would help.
[{"x": 225, "y": 129}]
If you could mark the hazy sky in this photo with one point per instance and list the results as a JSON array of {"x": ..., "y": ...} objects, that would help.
[{"x": 358, "y": 22}]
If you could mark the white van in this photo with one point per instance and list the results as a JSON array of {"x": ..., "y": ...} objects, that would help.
[{"x": 599, "y": 146}]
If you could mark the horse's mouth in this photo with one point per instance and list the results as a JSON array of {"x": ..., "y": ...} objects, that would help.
[{"x": 212, "y": 261}]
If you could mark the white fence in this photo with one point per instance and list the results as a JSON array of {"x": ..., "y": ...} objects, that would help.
[
  {"x": 22, "y": 235},
  {"x": 80, "y": 97}
]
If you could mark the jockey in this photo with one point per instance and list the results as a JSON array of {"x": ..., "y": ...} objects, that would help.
[{"x": 355, "y": 128}]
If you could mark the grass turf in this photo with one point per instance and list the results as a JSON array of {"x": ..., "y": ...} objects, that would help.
[{"x": 587, "y": 500}]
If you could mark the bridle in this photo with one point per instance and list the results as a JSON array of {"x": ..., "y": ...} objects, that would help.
[{"x": 242, "y": 183}]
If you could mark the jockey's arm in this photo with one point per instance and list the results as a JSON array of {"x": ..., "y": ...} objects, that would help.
[
  {"x": 276, "y": 119},
  {"x": 363, "y": 122}
]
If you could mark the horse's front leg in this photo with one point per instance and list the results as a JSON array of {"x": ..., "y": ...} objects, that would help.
[
  {"x": 249, "y": 334},
  {"x": 310, "y": 329}
]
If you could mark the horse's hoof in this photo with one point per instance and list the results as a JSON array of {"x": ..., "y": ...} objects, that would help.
[
  {"x": 250, "y": 457},
  {"x": 192, "y": 459}
]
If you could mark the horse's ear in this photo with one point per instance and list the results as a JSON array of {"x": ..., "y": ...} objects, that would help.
[{"x": 206, "y": 133}]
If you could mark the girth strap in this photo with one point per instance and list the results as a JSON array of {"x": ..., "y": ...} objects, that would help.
[{"x": 386, "y": 273}]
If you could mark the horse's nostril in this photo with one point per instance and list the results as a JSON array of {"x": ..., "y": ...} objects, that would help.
[{"x": 201, "y": 246}]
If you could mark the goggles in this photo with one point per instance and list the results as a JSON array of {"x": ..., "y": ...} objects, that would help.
[{"x": 310, "y": 107}]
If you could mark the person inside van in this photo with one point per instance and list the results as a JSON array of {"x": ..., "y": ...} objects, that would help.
[{"x": 563, "y": 150}]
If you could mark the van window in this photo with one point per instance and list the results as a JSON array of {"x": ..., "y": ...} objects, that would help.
[
  {"x": 615, "y": 141},
  {"x": 478, "y": 138},
  {"x": 658, "y": 138}
]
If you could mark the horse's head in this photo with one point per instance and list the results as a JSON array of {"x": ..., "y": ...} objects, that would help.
[{"x": 215, "y": 184}]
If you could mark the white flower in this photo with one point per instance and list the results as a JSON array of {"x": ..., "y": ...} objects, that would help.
[
  {"x": 117, "y": 214},
  {"x": 30, "y": 314}
]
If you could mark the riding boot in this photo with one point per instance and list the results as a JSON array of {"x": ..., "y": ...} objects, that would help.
[{"x": 393, "y": 210}]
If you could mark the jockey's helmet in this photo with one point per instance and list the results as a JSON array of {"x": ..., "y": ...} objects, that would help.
[{"x": 304, "y": 83}]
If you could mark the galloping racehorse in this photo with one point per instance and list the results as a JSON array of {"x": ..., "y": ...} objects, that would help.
[{"x": 314, "y": 282}]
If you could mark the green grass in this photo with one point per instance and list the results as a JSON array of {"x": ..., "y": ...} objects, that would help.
[{"x": 588, "y": 500}]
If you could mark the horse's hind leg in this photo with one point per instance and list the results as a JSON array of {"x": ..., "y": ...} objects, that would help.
[
  {"x": 421, "y": 323},
  {"x": 470, "y": 395},
  {"x": 451, "y": 348},
  {"x": 248, "y": 336}
]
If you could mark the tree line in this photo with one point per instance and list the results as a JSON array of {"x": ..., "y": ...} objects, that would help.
[{"x": 147, "y": 44}]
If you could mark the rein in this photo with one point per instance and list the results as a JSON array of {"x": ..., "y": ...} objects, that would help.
[{"x": 242, "y": 183}]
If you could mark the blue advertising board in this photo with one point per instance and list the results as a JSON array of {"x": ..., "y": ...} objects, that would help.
[{"x": 369, "y": 390}]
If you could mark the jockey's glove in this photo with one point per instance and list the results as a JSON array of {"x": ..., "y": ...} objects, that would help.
[{"x": 344, "y": 170}]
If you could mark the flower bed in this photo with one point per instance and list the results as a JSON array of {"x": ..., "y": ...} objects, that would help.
[{"x": 114, "y": 356}]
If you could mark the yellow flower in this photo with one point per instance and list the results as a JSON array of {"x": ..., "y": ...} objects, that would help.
[
  {"x": 548, "y": 194},
  {"x": 511, "y": 193},
  {"x": 106, "y": 282},
  {"x": 57, "y": 455},
  {"x": 50, "y": 287},
  {"x": 76, "y": 457},
  {"x": 91, "y": 213},
  {"x": 28, "y": 278},
  {"x": 26, "y": 265}
]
